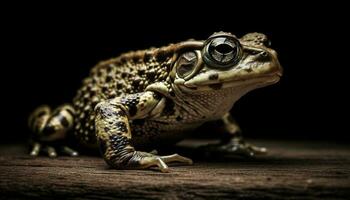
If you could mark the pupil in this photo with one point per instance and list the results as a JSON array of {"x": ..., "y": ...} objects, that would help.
[{"x": 223, "y": 48}]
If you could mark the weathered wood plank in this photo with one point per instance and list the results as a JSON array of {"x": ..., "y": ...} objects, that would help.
[{"x": 292, "y": 170}]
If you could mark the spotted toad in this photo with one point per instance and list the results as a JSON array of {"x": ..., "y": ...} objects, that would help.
[{"x": 159, "y": 96}]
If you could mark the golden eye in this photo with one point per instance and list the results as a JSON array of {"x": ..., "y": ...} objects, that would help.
[{"x": 186, "y": 64}]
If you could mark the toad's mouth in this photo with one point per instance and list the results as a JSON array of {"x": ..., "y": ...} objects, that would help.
[{"x": 257, "y": 82}]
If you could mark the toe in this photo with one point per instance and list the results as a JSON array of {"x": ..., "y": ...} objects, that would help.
[
  {"x": 176, "y": 158},
  {"x": 51, "y": 152},
  {"x": 161, "y": 163},
  {"x": 162, "y": 166},
  {"x": 258, "y": 150},
  {"x": 35, "y": 150},
  {"x": 69, "y": 151}
]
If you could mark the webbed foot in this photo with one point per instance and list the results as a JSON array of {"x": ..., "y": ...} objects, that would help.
[
  {"x": 236, "y": 146},
  {"x": 51, "y": 150},
  {"x": 147, "y": 160}
]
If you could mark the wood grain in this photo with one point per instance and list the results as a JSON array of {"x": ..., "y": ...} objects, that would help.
[{"x": 291, "y": 170}]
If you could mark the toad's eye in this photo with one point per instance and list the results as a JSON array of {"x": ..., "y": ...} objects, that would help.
[
  {"x": 221, "y": 52},
  {"x": 186, "y": 63}
]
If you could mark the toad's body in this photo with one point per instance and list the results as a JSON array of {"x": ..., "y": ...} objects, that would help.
[{"x": 158, "y": 96}]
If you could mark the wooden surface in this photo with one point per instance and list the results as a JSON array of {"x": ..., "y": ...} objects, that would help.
[{"x": 291, "y": 170}]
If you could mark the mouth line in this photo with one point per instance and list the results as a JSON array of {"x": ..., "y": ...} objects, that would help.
[{"x": 274, "y": 77}]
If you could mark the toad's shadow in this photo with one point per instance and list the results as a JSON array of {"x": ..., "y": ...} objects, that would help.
[{"x": 273, "y": 157}]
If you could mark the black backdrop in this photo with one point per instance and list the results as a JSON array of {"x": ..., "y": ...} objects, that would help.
[{"x": 47, "y": 52}]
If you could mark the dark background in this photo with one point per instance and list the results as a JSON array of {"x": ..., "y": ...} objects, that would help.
[{"x": 49, "y": 50}]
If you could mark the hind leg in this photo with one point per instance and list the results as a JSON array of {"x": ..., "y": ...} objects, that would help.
[{"x": 49, "y": 129}]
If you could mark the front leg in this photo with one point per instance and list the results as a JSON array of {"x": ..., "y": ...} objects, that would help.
[
  {"x": 232, "y": 142},
  {"x": 114, "y": 134}
]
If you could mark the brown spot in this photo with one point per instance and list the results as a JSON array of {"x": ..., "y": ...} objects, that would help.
[
  {"x": 119, "y": 86},
  {"x": 104, "y": 89},
  {"x": 248, "y": 69},
  {"x": 108, "y": 78},
  {"x": 216, "y": 86},
  {"x": 124, "y": 74},
  {"x": 214, "y": 76},
  {"x": 141, "y": 72},
  {"x": 119, "y": 113},
  {"x": 121, "y": 126},
  {"x": 151, "y": 75},
  {"x": 136, "y": 82}
]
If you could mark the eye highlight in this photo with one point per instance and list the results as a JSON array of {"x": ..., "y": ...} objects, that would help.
[
  {"x": 186, "y": 63},
  {"x": 221, "y": 52}
]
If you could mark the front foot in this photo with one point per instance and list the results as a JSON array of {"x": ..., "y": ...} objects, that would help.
[
  {"x": 146, "y": 160},
  {"x": 236, "y": 146},
  {"x": 51, "y": 151}
]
